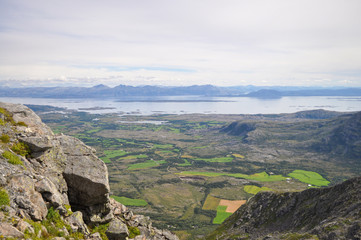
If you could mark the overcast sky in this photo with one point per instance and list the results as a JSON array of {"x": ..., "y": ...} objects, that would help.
[{"x": 180, "y": 42}]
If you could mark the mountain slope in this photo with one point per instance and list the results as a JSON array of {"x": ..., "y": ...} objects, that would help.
[
  {"x": 337, "y": 136},
  {"x": 327, "y": 213}
]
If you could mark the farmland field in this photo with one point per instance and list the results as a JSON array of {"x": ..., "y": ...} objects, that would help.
[
  {"x": 255, "y": 189},
  {"x": 130, "y": 202},
  {"x": 309, "y": 177},
  {"x": 211, "y": 203},
  {"x": 232, "y": 206},
  {"x": 222, "y": 214}
]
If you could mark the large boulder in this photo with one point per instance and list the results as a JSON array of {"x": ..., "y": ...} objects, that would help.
[{"x": 85, "y": 174}]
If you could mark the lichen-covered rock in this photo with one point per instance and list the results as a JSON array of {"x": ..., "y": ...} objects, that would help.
[
  {"x": 22, "y": 191},
  {"x": 77, "y": 224},
  {"x": 21, "y": 113},
  {"x": 37, "y": 143},
  {"x": 117, "y": 230},
  {"x": 50, "y": 193}
]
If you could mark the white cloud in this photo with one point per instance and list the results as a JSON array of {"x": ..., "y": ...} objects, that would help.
[{"x": 225, "y": 42}]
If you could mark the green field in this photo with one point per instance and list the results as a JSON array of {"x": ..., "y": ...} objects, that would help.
[
  {"x": 129, "y": 201},
  {"x": 262, "y": 177},
  {"x": 134, "y": 157},
  {"x": 221, "y": 215},
  {"x": 144, "y": 165},
  {"x": 218, "y": 159},
  {"x": 252, "y": 189},
  {"x": 109, "y": 154},
  {"x": 309, "y": 177}
]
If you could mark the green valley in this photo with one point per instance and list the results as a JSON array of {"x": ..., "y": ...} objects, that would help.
[{"x": 178, "y": 172}]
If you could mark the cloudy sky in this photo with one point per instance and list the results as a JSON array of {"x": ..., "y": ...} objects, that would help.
[{"x": 180, "y": 42}]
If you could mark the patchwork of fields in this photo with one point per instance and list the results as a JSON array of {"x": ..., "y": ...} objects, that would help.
[{"x": 184, "y": 173}]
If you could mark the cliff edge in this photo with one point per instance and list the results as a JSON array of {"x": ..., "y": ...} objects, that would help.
[{"x": 54, "y": 186}]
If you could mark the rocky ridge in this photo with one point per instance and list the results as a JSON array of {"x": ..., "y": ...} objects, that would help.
[
  {"x": 54, "y": 186},
  {"x": 325, "y": 213}
]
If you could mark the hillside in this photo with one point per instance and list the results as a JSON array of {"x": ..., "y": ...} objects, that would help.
[
  {"x": 338, "y": 135},
  {"x": 327, "y": 213},
  {"x": 54, "y": 187}
]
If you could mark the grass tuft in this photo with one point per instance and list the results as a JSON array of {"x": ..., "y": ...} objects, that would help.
[
  {"x": 5, "y": 138},
  {"x": 21, "y": 149},
  {"x": 133, "y": 232},
  {"x": 4, "y": 198},
  {"x": 12, "y": 158}
]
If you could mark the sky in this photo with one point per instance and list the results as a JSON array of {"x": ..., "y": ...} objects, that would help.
[{"x": 180, "y": 42}]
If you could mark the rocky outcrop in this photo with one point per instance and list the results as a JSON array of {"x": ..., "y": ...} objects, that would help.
[
  {"x": 327, "y": 213},
  {"x": 239, "y": 129},
  {"x": 45, "y": 171}
]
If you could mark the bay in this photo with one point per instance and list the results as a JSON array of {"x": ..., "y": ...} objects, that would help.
[{"x": 197, "y": 104}]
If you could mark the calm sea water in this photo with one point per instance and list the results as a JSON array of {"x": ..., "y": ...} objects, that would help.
[{"x": 195, "y": 104}]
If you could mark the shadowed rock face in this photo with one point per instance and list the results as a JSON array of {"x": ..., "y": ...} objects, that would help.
[
  {"x": 328, "y": 213},
  {"x": 85, "y": 174}
]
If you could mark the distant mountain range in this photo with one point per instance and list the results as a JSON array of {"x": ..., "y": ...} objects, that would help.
[{"x": 102, "y": 91}]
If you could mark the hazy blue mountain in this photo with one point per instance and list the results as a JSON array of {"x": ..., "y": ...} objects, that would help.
[{"x": 102, "y": 91}]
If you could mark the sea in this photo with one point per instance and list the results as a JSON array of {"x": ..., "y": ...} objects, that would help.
[{"x": 196, "y": 104}]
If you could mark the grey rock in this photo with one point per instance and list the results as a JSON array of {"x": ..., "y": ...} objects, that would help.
[
  {"x": 50, "y": 192},
  {"x": 23, "y": 191},
  {"x": 117, "y": 230},
  {"x": 37, "y": 143},
  {"x": 77, "y": 224},
  {"x": 128, "y": 215},
  {"x": 85, "y": 174},
  {"x": 140, "y": 237},
  {"x": 8, "y": 230},
  {"x": 22, "y": 226},
  {"x": 116, "y": 207},
  {"x": 140, "y": 220},
  {"x": 22, "y": 113},
  {"x": 94, "y": 236},
  {"x": 100, "y": 218},
  {"x": 170, "y": 236}
]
